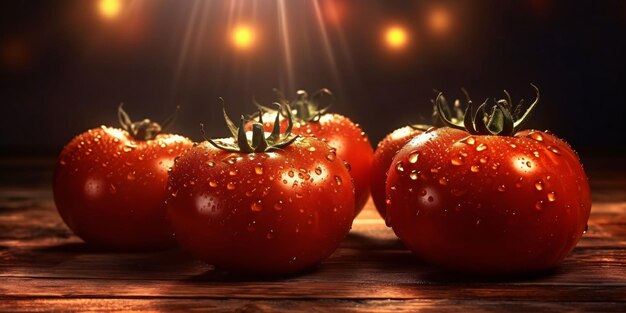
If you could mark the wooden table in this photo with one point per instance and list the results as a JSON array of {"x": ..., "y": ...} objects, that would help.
[{"x": 44, "y": 267}]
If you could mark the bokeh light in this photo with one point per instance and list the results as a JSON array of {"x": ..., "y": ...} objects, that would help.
[
  {"x": 243, "y": 37},
  {"x": 110, "y": 9},
  {"x": 396, "y": 37},
  {"x": 439, "y": 20}
]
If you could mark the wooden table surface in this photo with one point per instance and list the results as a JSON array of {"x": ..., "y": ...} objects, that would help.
[{"x": 44, "y": 267}]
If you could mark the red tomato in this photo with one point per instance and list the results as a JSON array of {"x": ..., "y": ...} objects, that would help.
[
  {"x": 269, "y": 211},
  {"x": 339, "y": 132},
  {"x": 492, "y": 204},
  {"x": 383, "y": 156},
  {"x": 110, "y": 188}
]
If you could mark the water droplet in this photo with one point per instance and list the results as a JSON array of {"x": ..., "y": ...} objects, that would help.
[
  {"x": 458, "y": 161},
  {"x": 232, "y": 172},
  {"x": 551, "y": 196},
  {"x": 131, "y": 176},
  {"x": 210, "y": 163},
  {"x": 481, "y": 147},
  {"x": 299, "y": 195},
  {"x": 554, "y": 150},
  {"x": 213, "y": 183},
  {"x": 278, "y": 205},
  {"x": 529, "y": 164},
  {"x": 502, "y": 188},
  {"x": 413, "y": 156},
  {"x": 483, "y": 160},
  {"x": 318, "y": 170},
  {"x": 423, "y": 192},
  {"x": 414, "y": 175},
  {"x": 434, "y": 170},
  {"x": 116, "y": 140},
  {"x": 256, "y": 206},
  {"x": 475, "y": 168},
  {"x": 270, "y": 234},
  {"x": 258, "y": 169},
  {"x": 127, "y": 148},
  {"x": 536, "y": 136},
  {"x": 430, "y": 129},
  {"x": 290, "y": 173},
  {"x": 311, "y": 148},
  {"x": 285, "y": 181},
  {"x": 163, "y": 145},
  {"x": 539, "y": 205},
  {"x": 112, "y": 189},
  {"x": 338, "y": 180},
  {"x": 586, "y": 229},
  {"x": 251, "y": 227},
  {"x": 443, "y": 181},
  {"x": 399, "y": 167},
  {"x": 231, "y": 185},
  {"x": 536, "y": 154},
  {"x": 513, "y": 145},
  {"x": 62, "y": 162},
  {"x": 431, "y": 199},
  {"x": 539, "y": 185},
  {"x": 330, "y": 157},
  {"x": 469, "y": 140}
]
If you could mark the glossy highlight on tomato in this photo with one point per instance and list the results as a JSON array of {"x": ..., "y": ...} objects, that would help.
[
  {"x": 488, "y": 204},
  {"x": 110, "y": 188}
]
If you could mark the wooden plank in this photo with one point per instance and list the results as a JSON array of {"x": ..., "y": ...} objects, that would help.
[{"x": 388, "y": 306}]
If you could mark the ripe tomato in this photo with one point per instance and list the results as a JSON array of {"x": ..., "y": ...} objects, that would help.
[
  {"x": 269, "y": 206},
  {"x": 338, "y": 131},
  {"x": 487, "y": 199},
  {"x": 110, "y": 185},
  {"x": 383, "y": 156}
]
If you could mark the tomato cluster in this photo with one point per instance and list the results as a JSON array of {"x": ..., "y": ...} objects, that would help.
[{"x": 478, "y": 195}]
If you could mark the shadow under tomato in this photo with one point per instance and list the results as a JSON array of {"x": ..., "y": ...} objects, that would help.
[
  {"x": 220, "y": 275},
  {"x": 360, "y": 241}
]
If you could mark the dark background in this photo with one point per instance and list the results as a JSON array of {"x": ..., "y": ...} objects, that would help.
[{"x": 65, "y": 68}]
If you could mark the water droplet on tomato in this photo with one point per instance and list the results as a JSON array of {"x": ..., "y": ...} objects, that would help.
[
  {"x": 278, "y": 205},
  {"x": 270, "y": 234},
  {"x": 290, "y": 173},
  {"x": 483, "y": 160},
  {"x": 475, "y": 168},
  {"x": 431, "y": 199},
  {"x": 399, "y": 167},
  {"x": 330, "y": 157},
  {"x": 256, "y": 206},
  {"x": 539, "y": 185},
  {"x": 413, "y": 156},
  {"x": 338, "y": 180},
  {"x": 502, "y": 188},
  {"x": 536, "y": 136},
  {"x": 318, "y": 170},
  {"x": 481, "y": 147},
  {"x": 551, "y": 196},
  {"x": 299, "y": 195},
  {"x": 443, "y": 181},
  {"x": 131, "y": 175},
  {"x": 163, "y": 145},
  {"x": 539, "y": 205},
  {"x": 554, "y": 150},
  {"x": 232, "y": 172},
  {"x": 458, "y": 161},
  {"x": 213, "y": 183},
  {"x": 414, "y": 175},
  {"x": 258, "y": 169},
  {"x": 210, "y": 163},
  {"x": 470, "y": 140},
  {"x": 231, "y": 185},
  {"x": 536, "y": 154}
]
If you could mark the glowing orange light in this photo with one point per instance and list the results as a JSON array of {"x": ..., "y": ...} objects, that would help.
[
  {"x": 110, "y": 9},
  {"x": 243, "y": 37},
  {"x": 396, "y": 37},
  {"x": 439, "y": 20}
]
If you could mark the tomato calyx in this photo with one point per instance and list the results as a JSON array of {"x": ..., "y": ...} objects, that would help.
[
  {"x": 503, "y": 120},
  {"x": 145, "y": 129},
  {"x": 258, "y": 141},
  {"x": 304, "y": 108}
]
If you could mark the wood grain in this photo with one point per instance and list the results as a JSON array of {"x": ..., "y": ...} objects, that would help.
[{"x": 44, "y": 267}]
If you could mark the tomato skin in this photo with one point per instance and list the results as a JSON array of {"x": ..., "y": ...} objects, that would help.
[
  {"x": 383, "y": 156},
  {"x": 110, "y": 189},
  {"x": 488, "y": 204},
  {"x": 271, "y": 213},
  {"x": 348, "y": 138}
]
